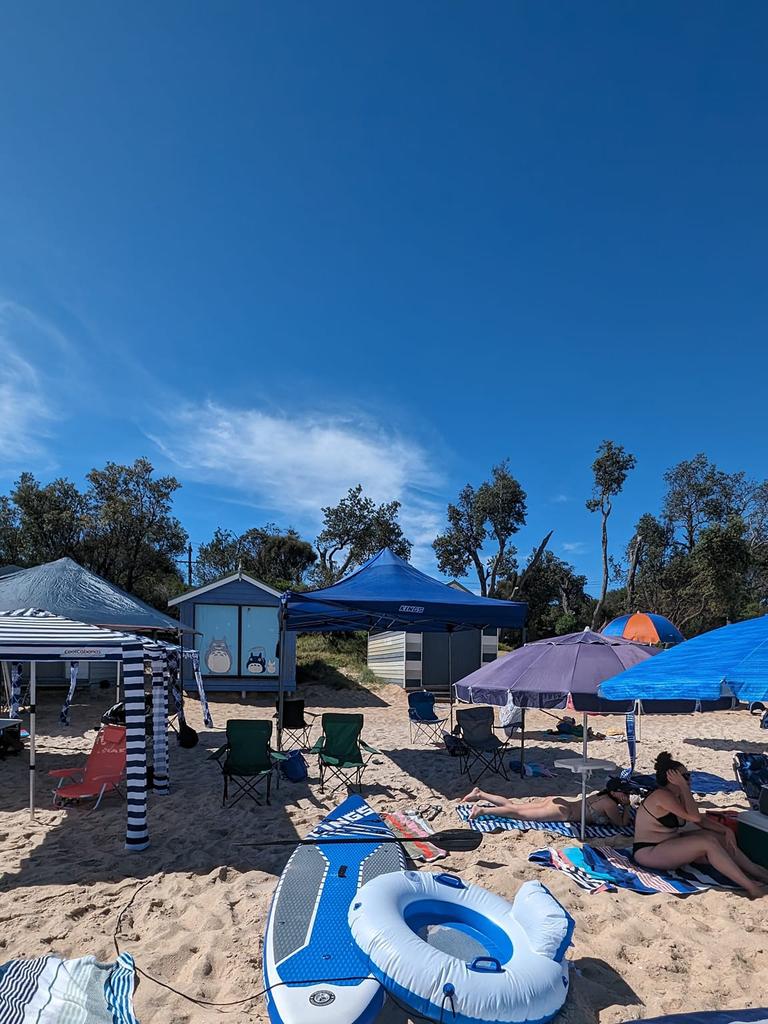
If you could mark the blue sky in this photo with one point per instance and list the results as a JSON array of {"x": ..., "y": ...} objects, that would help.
[{"x": 280, "y": 248}]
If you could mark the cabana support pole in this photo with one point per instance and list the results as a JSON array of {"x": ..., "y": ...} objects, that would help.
[
  {"x": 281, "y": 676},
  {"x": 522, "y": 743},
  {"x": 584, "y": 753},
  {"x": 32, "y": 735},
  {"x": 450, "y": 671},
  {"x": 160, "y": 723},
  {"x": 136, "y": 835}
]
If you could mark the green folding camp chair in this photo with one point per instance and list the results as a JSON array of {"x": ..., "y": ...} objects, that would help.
[
  {"x": 247, "y": 759},
  {"x": 341, "y": 752}
]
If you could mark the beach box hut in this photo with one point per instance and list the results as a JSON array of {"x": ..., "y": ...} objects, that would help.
[
  {"x": 236, "y": 632},
  {"x": 415, "y": 660}
]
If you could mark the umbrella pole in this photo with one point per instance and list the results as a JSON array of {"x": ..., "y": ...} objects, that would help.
[
  {"x": 32, "y": 735},
  {"x": 522, "y": 743},
  {"x": 584, "y": 749}
]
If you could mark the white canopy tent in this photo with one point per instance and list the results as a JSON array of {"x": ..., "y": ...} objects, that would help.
[{"x": 31, "y": 635}]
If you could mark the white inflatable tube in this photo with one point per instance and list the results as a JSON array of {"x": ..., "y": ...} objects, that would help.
[{"x": 519, "y": 976}]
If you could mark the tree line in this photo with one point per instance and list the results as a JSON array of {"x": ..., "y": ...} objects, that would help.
[{"x": 701, "y": 560}]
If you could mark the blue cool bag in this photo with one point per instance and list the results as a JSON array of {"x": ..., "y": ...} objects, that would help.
[{"x": 295, "y": 767}]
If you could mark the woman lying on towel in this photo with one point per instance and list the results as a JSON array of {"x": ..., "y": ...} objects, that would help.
[
  {"x": 608, "y": 807},
  {"x": 670, "y": 832}
]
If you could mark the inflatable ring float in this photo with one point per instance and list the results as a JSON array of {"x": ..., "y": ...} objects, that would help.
[{"x": 451, "y": 951}]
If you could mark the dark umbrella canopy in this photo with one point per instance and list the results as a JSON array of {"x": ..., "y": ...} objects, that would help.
[{"x": 545, "y": 673}]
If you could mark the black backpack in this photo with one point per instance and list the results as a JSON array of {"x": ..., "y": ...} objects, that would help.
[{"x": 188, "y": 738}]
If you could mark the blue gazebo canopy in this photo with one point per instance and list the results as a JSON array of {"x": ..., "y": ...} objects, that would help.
[
  {"x": 729, "y": 660},
  {"x": 387, "y": 593}
]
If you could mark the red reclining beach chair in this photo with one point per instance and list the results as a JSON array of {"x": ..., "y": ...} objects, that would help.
[{"x": 103, "y": 771}]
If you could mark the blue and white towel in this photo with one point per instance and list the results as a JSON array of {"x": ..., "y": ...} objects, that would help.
[
  {"x": 572, "y": 830},
  {"x": 702, "y": 783},
  {"x": 49, "y": 990},
  {"x": 603, "y": 869}
]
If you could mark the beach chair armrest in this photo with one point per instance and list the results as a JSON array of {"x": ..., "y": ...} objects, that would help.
[
  {"x": 65, "y": 773},
  {"x": 218, "y": 754},
  {"x": 368, "y": 748},
  {"x": 278, "y": 755},
  {"x": 317, "y": 746}
]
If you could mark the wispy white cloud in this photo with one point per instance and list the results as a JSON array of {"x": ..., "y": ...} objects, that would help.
[
  {"x": 27, "y": 397},
  {"x": 560, "y": 499},
  {"x": 296, "y": 464},
  {"x": 574, "y": 547}
]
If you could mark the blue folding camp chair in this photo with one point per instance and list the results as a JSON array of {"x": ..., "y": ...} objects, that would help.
[{"x": 422, "y": 719}]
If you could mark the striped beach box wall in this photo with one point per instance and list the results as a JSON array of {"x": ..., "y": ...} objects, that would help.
[
  {"x": 489, "y": 646},
  {"x": 386, "y": 656},
  {"x": 413, "y": 660}
]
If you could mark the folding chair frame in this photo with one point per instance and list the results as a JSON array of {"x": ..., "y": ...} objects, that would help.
[
  {"x": 61, "y": 800},
  {"x": 432, "y": 727},
  {"x": 349, "y": 775},
  {"x": 246, "y": 785},
  {"x": 301, "y": 734},
  {"x": 491, "y": 760}
]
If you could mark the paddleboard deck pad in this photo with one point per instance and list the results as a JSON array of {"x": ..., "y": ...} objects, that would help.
[{"x": 314, "y": 972}]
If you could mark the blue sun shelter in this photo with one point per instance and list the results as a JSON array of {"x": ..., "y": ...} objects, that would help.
[{"x": 236, "y": 623}]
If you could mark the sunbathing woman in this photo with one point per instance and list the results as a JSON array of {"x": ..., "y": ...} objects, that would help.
[
  {"x": 670, "y": 832},
  {"x": 608, "y": 807}
]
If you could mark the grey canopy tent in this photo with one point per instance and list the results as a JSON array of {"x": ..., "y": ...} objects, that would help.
[
  {"x": 31, "y": 635},
  {"x": 66, "y": 588}
]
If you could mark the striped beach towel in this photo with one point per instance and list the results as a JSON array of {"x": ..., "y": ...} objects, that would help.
[
  {"x": 702, "y": 783},
  {"x": 49, "y": 990},
  {"x": 571, "y": 830},
  {"x": 603, "y": 869}
]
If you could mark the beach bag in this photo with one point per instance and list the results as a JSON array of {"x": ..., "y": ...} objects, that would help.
[
  {"x": 455, "y": 746},
  {"x": 510, "y": 717},
  {"x": 295, "y": 767},
  {"x": 188, "y": 738}
]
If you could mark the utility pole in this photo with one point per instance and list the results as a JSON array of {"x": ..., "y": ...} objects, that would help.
[{"x": 189, "y": 564}]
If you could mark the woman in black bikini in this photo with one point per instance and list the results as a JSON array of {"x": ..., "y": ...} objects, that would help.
[{"x": 661, "y": 843}]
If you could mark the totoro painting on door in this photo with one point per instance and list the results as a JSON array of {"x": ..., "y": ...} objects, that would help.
[{"x": 236, "y": 624}]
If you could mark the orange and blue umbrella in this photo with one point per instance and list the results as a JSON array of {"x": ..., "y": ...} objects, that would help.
[{"x": 644, "y": 628}]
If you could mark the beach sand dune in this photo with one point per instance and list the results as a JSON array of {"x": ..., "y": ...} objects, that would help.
[{"x": 200, "y": 898}]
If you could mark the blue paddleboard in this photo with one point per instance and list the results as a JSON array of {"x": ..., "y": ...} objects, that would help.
[{"x": 313, "y": 970}]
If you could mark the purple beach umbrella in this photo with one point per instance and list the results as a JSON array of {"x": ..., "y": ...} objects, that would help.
[{"x": 545, "y": 673}]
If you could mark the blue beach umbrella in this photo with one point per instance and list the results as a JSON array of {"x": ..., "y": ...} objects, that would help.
[{"x": 732, "y": 660}]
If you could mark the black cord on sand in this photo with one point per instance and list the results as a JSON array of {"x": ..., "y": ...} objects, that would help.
[{"x": 206, "y": 1002}]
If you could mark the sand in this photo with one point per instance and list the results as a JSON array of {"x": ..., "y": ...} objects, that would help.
[{"x": 197, "y": 924}]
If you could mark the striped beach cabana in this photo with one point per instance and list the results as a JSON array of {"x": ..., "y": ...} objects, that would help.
[{"x": 31, "y": 635}]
